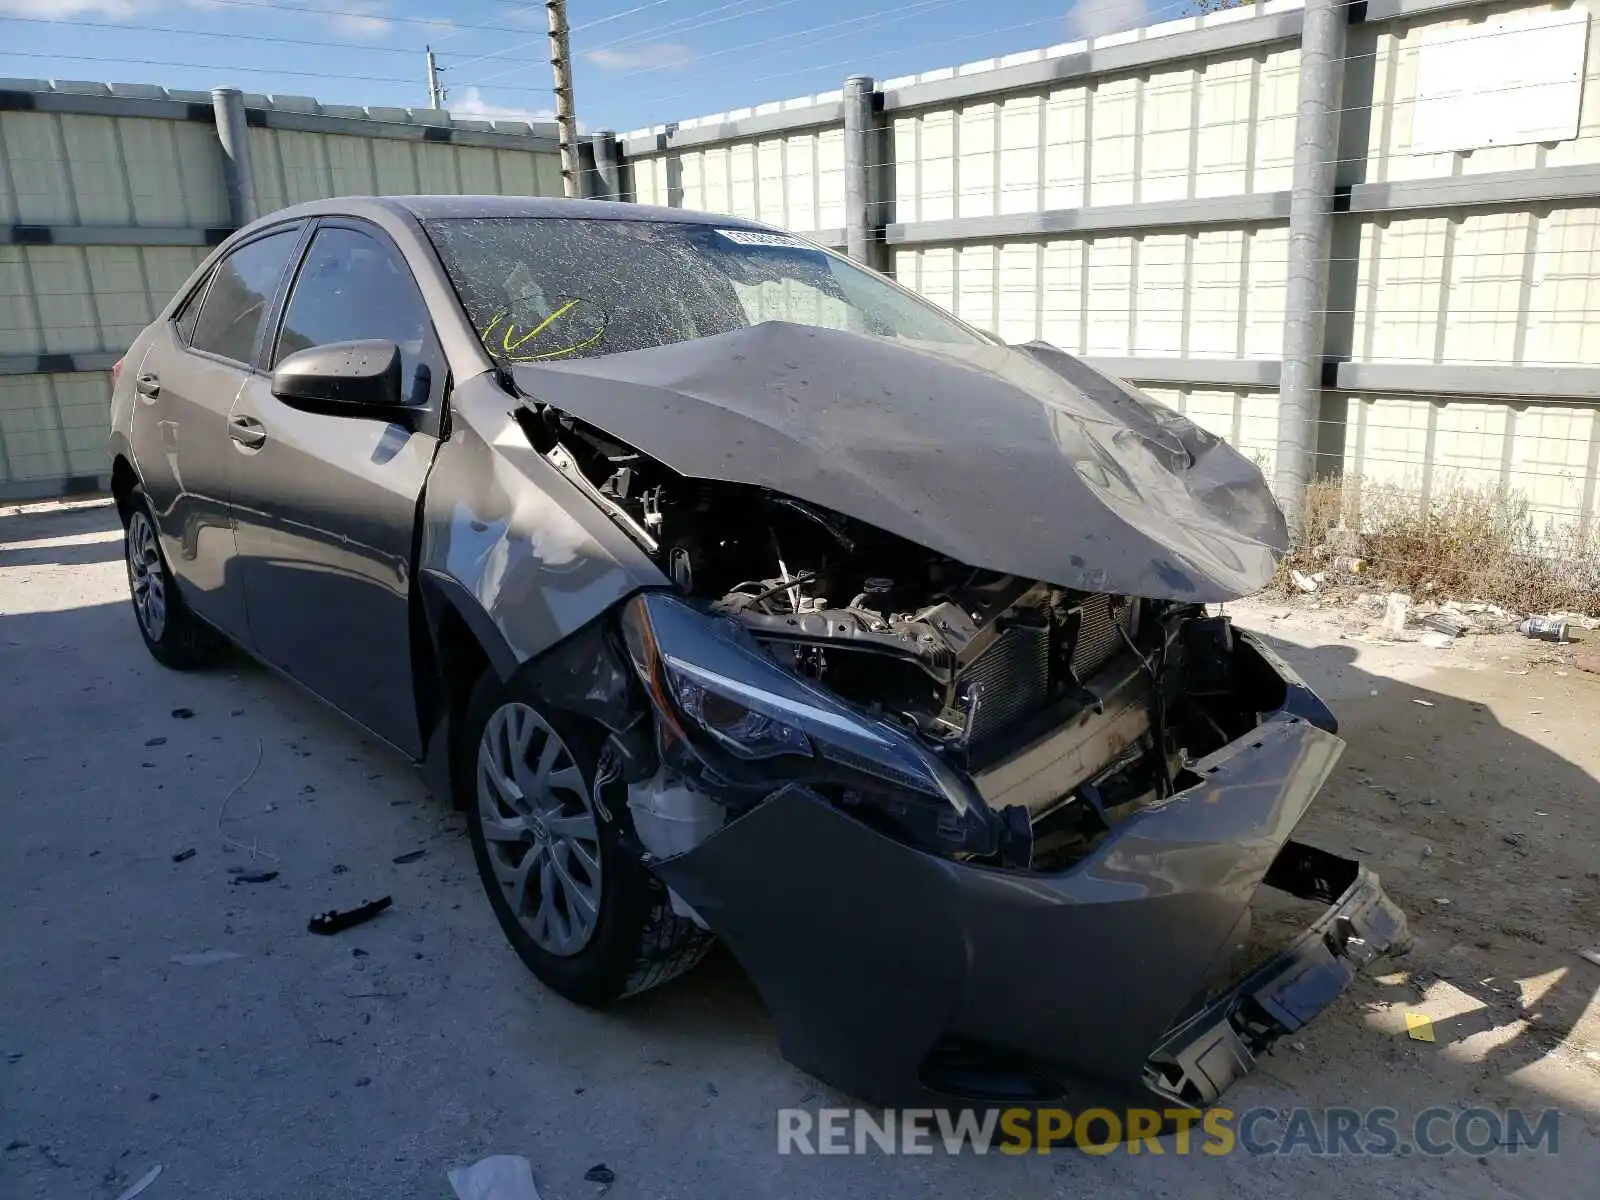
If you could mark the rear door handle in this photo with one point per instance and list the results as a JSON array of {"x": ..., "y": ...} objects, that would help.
[
  {"x": 148, "y": 385},
  {"x": 247, "y": 431}
]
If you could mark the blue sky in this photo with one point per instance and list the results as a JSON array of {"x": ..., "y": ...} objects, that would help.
[{"x": 638, "y": 62}]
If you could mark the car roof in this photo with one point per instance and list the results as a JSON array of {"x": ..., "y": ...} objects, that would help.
[{"x": 446, "y": 207}]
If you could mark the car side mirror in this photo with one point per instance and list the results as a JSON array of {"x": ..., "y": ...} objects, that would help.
[{"x": 345, "y": 379}]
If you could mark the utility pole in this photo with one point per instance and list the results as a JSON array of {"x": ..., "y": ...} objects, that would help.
[
  {"x": 436, "y": 94},
  {"x": 566, "y": 118},
  {"x": 1316, "y": 155}
]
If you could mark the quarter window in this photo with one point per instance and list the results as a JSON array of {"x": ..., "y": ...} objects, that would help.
[{"x": 236, "y": 302}]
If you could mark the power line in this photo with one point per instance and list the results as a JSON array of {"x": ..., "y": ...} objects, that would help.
[{"x": 208, "y": 33}]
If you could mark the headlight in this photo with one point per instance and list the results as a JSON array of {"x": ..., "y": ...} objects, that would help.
[
  {"x": 708, "y": 677},
  {"x": 722, "y": 707}
]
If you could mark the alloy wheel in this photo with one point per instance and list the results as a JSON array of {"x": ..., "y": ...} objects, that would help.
[
  {"x": 145, "y": 577},
  {"x": 539, "y": 828}
]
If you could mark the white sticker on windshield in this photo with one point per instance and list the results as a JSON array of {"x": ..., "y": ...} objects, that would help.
[{"x": 756, "y": 237}]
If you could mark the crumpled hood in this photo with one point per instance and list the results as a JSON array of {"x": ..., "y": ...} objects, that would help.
[{"x": 1015, "y": 459}]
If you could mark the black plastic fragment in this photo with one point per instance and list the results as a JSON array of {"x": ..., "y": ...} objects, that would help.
[
  {"x": 183, "y": 714},
  {"x": 601, "y": 1174},
  {"x": 410, "y": 856},
  {"x": 183, "y": 855},
  {"x": 255, "y": 877},
  {"x": 336, "y": 920}
]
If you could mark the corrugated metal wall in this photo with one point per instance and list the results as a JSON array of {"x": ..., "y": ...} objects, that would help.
[
  {"x": 1125, "y": 198},
  {"x": 111, "y": 195},
  {"x": 1137, "y": 213}
]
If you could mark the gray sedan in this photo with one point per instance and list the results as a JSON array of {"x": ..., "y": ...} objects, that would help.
[{"x": 736, "y": 592}]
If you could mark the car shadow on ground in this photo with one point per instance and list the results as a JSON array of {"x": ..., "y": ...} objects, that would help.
[
  {"x": 72, "y": 554},
  {"x": 1487, "y": 840},
  {"x": 1434, "y": 792}
]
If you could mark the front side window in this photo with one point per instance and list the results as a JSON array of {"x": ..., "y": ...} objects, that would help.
[
  {"x": 553, "y": 288},
  {"x": 236, "y": 302},
  {"x": 354, "y": 288}
]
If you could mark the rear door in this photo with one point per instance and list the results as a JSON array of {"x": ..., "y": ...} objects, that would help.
[
  {"x": 325, "y": 507},
  {"x": 185, "y": 384}
]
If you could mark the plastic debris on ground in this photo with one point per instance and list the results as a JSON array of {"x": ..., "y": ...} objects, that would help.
[
  {"x": 1304, "y": 582},
  {"x": 1435, "y": 640},
  {"x": 149, "y": 1177},
  {"x": 1419, "y": 1027},
  {"x": 1544, "y": 629},
  {"x": 1446, "y": 622},
  {"x": 1590, "y": 956},
  {"x": 601, "y": 1174},
  {"x": 337, "y": 920},
  {"x": 498, "y": 1177}
]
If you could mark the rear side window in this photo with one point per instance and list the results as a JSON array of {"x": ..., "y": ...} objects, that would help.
[
  {"x": 236, "y": 303},
  {"x": 190, "y": 312}
]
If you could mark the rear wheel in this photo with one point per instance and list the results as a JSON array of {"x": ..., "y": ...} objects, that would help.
[
  {"x": 573, "y": 900},
  {"x": 175, "y": 637}
]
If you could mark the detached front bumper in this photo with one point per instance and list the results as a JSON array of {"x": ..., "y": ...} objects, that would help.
[
  {"x": 1203, "y": 1057},
  {"x": 901, "y": 977}
]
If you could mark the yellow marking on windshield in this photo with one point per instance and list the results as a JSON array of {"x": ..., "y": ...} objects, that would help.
[
  {"x": 536, "y": 330},
  {"x": 572, "y": 349}
]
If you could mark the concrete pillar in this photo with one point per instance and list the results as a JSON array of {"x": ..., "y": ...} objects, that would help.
[
  {"x": 234, "y": 134},
  {"x": 607, "y": 165},
  {"x": 1316, "y": 150},
  {"x": 860, "y": 145}
]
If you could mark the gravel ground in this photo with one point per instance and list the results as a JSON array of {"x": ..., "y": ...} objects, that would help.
[{"x": 155, "y": 1011}]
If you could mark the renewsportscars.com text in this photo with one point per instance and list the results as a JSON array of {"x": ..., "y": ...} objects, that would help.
[{"x": 1372, "y": 1132}]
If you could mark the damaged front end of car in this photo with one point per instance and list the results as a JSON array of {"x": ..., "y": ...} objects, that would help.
[
  {"x": 976, "y": 837},
  {"x": 918, "y": 936}
]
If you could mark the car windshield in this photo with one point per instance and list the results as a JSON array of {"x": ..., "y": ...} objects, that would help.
[{"x": 557, "y": 288}]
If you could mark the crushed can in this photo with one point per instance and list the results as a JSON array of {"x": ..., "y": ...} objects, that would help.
[{"x": 1545, "y": 629}]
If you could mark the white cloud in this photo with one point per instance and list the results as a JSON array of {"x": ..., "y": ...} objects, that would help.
[
  {"x": 66, "y": 9},
  {"x": 533, "y": 15},
  {"x": 353, "y": 18},
  {"x": 647, "y": 56},
  {"x": 473, "y": 106},
  {"x": 358, "y": 18},
  {"x": 1096, "y": 18}
]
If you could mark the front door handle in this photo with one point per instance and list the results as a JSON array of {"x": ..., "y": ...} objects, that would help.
[
  {"x": 247, "y": 432},
  {"x": 148, "y": 385}
]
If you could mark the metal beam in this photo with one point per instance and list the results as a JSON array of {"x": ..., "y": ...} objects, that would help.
[
  {"x": 791, "y": 120},
  {"x": 1509, "y": 382},
  {"x": 1261, "y": 207},
  {"x": 1518, "y": 188},
  {"x": 542, "y": 140},
  {"x": 111, "y": 235},
  {"x": 1129, "y": 56},
  {"x": 1400, "y": 10},
  {"x": 1214, "y": 372},
  {"x": 80, "y": 362}
]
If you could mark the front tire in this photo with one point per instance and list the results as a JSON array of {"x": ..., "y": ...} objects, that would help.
[
  {"x": 175, "y": 637},
  {"x": 576, "y": 904}
]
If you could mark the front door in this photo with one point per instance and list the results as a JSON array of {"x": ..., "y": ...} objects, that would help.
[
  {"x": 187, "y": 382},
  {"x": 325, "y": 507}
]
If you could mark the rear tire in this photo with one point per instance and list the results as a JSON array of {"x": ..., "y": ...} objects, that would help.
[
  {"x": 175, "y": 637},
  {"x": 576, "y": 904}
]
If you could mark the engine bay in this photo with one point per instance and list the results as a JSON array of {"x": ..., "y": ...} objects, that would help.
[{"x": 1075, "y": 707}]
